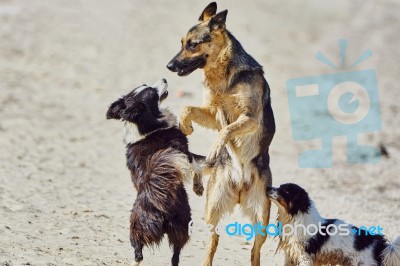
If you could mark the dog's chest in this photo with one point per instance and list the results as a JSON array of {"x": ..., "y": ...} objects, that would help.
[{"x": 226, "y": 108}]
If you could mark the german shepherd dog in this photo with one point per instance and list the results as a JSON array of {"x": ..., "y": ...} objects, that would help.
[
  {"x": 238, "y": 105},
  {"x": 158, "y": 157}
]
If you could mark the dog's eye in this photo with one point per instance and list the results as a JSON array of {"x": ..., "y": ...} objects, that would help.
[{"x": 192, "y": 45}]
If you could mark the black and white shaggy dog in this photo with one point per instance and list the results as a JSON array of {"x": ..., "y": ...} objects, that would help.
[
  {"x": 160, "y": 162},
  {"x": 335, "y": 243}
]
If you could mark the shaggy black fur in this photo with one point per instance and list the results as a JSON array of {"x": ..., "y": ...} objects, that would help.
[
  {"x": 315, "y": 243},
  {"x": 296, "y": 197},
  {"x": 161, "y": 206},
  {"x": 363, "y": 240}
]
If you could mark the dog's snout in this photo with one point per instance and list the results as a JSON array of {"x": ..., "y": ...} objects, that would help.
[
  {"x": 163, "y": 80},
  {"x": 271, "y": 190},
  {"x": 171, "y": 66}
]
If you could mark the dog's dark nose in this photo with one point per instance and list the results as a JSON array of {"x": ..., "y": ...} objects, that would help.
[
  {"x": 164, "y": 80},
  {"x": 171, "y": 66},
  {"x": 269, "y": 189}
]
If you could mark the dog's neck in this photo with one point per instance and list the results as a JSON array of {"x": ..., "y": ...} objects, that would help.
[
  {"x": 215, "y": 71},
  {"x": 294, "y": 244},
  {"x": 226, "y": 62},
  {"x": 306, "y": 219},
  {"x": 311, "y": 217},
  {"x": 133, "y": 135}
]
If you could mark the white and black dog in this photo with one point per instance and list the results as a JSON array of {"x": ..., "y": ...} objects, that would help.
[
  {"x": 160, "y": 162},
  {"x": 353, "y": 246}
]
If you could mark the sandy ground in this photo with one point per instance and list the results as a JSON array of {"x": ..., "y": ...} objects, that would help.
[{"x": 65, "y": 194}]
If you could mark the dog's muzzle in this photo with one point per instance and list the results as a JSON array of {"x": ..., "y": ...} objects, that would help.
[
  {"x": 161, "y": 87},
  {"x": 186, "y": 66},
  {"x": 272, "y": 192}
]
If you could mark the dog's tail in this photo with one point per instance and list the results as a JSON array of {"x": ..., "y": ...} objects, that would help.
[
  {"x": 167, "y": 170},
  {"x": 391, "y": 254}
]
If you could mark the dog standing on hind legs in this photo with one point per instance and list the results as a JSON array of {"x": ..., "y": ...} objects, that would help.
[
  {"x": 238, "y": 105},
  {"x": 160, "y": 162}
]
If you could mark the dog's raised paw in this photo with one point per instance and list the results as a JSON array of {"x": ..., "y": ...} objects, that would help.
[
  {"x": 186, "y": 129},
  {"x": 198, "y": 189}
]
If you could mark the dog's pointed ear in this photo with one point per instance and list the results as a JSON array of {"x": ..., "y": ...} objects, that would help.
[
  {"x": 218, "y": 21},
  {"x": 208, "y": 12},
  {"x": 133, "y": 112},
  {"x": 115, "y": 109}
]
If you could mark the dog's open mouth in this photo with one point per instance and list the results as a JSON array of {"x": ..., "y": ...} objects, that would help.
[
  {"x": 191, "y": 65},
  {"x": 272, "y": 193},
  {"x": 163, "y": 96},
  {"x": 161, "y": 87}
]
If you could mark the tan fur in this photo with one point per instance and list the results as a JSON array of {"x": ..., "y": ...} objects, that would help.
[
  {"x": 242, "y": 109},
  {"x": 289, "y": 245},
  {"x": 237, "y": 113},
  {"x": 223, "y": 193}
]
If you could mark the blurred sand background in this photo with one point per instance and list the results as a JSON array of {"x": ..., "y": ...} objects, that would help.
[{"x": 65, "y": 193}]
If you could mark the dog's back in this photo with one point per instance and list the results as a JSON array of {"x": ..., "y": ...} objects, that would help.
[{"x": 161, "y": 201}]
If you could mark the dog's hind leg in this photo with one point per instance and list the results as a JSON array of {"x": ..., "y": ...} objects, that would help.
[
  {"x": 135, "y": 235},
  {"x": 177, "y": 228},
  {"x": 177, "y": 239},
  {"x": 212, "y": 217},
  {"x": 221, "y": 199},
  {"x": 257, "y": 206},
  {"x": 138, "y": 252},
  {"x": 260, "y": 239},
  {"x": 175, "y": 256}
]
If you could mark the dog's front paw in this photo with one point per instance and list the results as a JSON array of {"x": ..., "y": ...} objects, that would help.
[
  {"x": 186, "y": 128},
  {"x": 198, "y": 188},
  {"x": 185, "y": 123}
]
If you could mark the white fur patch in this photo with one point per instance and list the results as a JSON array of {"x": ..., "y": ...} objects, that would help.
[
  {"x": 236, "y": 171},
  {"x": 391, "y": 254},
  {"x": 223, "y": 196},
  {"x": 181, "y": 162},
  {"x": 337, "y": 244},
  {"x": 161, "y": 86},
  {"x": 140, "y": 89},
  {"x": 132, "y": 134},
  {"x": 168, "y": 117},
  {"x": 254, "y": 201}
]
